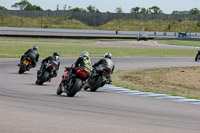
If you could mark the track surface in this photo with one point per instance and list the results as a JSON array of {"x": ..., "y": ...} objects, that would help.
[{"x": 29, "y": 108}]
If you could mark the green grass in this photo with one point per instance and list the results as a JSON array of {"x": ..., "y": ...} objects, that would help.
[
  {"x": 179, "y": 42},
  {"x": 66, "y": 22},
  {"x": 16, "y": 49},
  {"x": 48, "y": 40},
  {"x": 177, "y": 81}
]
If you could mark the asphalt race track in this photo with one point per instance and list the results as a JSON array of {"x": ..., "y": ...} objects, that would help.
[{"x": 29, "y": 108}]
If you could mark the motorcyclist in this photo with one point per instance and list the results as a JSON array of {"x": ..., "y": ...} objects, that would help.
[
  {"x": 83, "y": 62},
  {"x": 33, "y": 54},
  {"x": 106, "y": 62},
  {"x": 50, "y": 59}
]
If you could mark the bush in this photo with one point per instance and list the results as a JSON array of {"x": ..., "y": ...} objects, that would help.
[
  {"x": 46, "y": 26},
  {"x": 198, "y": 24}
]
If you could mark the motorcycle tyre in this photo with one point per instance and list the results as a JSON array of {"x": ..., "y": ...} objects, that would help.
[
  {"x": 97, "y": 84},
  {"x": 75, "y": 88},
  {"x": 43, "y": 79},
  {"x": 21, "y": 70},
  {"x": 59, "y": 90},
  {"x": 197, "y": 57}
]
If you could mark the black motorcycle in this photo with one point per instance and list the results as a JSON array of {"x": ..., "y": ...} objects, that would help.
[
  {"x": 75, "y": 83},
  {"x": 25, "y": 65},
  {"x": 197, "y": 58},
  {"x": 99, "y": 77},
  {"x": 47, "y": 73}
]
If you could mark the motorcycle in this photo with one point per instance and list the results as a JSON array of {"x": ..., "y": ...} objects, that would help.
[
  {"x": 99, "y": 77},
  {"x": 197, "y": 58},
  {"x": 47, "y": 73},
  {"x": 75, "y": 83},
  {"x": 25, "y": 65}
]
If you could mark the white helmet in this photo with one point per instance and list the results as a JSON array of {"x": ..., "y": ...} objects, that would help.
[
  {"x": 85, "y": 53},
  {"x": 35, "y": 47},
  {"x": 108, "y": 55}
]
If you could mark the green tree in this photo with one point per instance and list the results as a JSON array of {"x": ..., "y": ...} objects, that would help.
[
  {"x": 135, "y": 10},
  {"x": 76, "y": 9},
  {"x": 33, "y": 8},
  {"x": 194, "y": 11},
  {"x": 155, "y": 10},
  {"x": 119, "y": 10},
  {"x": 21, "y": 5},
  {"x": 3, "y": 8},
  {"x": 91, "y": 8},
  {"x": 180, "y": 12},
  {"x": 143, "y": 10},
  {"x": 25, "y": 5}
]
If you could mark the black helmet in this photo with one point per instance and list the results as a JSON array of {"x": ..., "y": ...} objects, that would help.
[
  {"x": 56, "y": 54},
  {"x": 35, "y": 47},
  {"x": 108, "y": 55},
  {"x": 85, "y": 54}
]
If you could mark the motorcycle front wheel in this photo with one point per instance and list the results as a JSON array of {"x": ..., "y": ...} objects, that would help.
[
  {"x": 197, "y": 58},
  {"x": 59, "y": 90}
]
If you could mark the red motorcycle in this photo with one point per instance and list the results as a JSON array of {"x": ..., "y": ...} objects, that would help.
[{"x": 75, "y": 83}]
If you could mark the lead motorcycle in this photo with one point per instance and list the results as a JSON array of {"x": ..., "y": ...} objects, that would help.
[
  {"x": 25, "y": 65},
  {"x": 47, "y": 73},
  {"x": 99, "y": 77},
  {"x": 75, "y": 84},
  {"x": 197, "y": 58}
]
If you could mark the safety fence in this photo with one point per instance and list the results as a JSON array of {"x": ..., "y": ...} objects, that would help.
[{"x": 96, "y": 19}]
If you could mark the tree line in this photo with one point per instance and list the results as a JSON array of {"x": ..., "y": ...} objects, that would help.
[{"x": 26, "y": 5}]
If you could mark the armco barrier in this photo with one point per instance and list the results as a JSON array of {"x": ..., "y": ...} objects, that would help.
[{"x": 177, "y": 38}]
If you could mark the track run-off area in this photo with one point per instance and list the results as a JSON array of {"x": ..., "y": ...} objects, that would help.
[{"x": 29, "y": 108}]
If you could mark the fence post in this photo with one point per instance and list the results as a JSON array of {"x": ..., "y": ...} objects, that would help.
[
  {"x": 41, "y": 18},
  {"x": 2, "y": 20},
  {"x": 21, "y": 21}
]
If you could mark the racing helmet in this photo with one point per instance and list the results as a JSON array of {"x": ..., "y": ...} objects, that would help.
[
  {"x": 85, "y": 54},
  {"x": 56, "y": 54},
  {"x": 108, "y": 55},
  {"x": 35, "y": 47}
]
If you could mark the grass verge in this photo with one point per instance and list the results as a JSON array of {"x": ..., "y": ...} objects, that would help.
[
  {"x": 16, "y": 49},
  {"x": 48, "y": 40},
  {"x": 177, "y": 81},
  {"x": 180, "y": 43}
]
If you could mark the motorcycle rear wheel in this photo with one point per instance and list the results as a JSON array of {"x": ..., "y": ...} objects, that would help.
[
  {"x": 21, "y": 70},
  {"x": 77, "y": 83},
  {"x": 43, "y": 79},
  {"x": 197, "y": 58},
  {"x": 96, "y": 85}
]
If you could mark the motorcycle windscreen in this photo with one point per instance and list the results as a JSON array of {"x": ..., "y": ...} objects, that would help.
[
  {"x": 110, "y": 64},
  {"x": 55, "y": 64}
]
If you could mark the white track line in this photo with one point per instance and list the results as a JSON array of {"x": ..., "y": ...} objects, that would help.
[{"x": 150, "y": 94}]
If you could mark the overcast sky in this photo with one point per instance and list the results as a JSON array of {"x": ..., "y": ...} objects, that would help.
[{"x": 167, "y": 6}]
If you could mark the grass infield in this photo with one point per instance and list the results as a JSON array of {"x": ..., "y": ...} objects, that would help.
[
  {"x": 177, "y": 81},
  {"x": 10, "y": 48}
]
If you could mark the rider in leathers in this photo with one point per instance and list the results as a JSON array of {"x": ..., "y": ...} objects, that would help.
[
  {"x": 33, "y": 54},
  {"x": 106, "y": 62},
  {"x": 83, "y": 62},
  {"x": 50, "y": 59}
]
